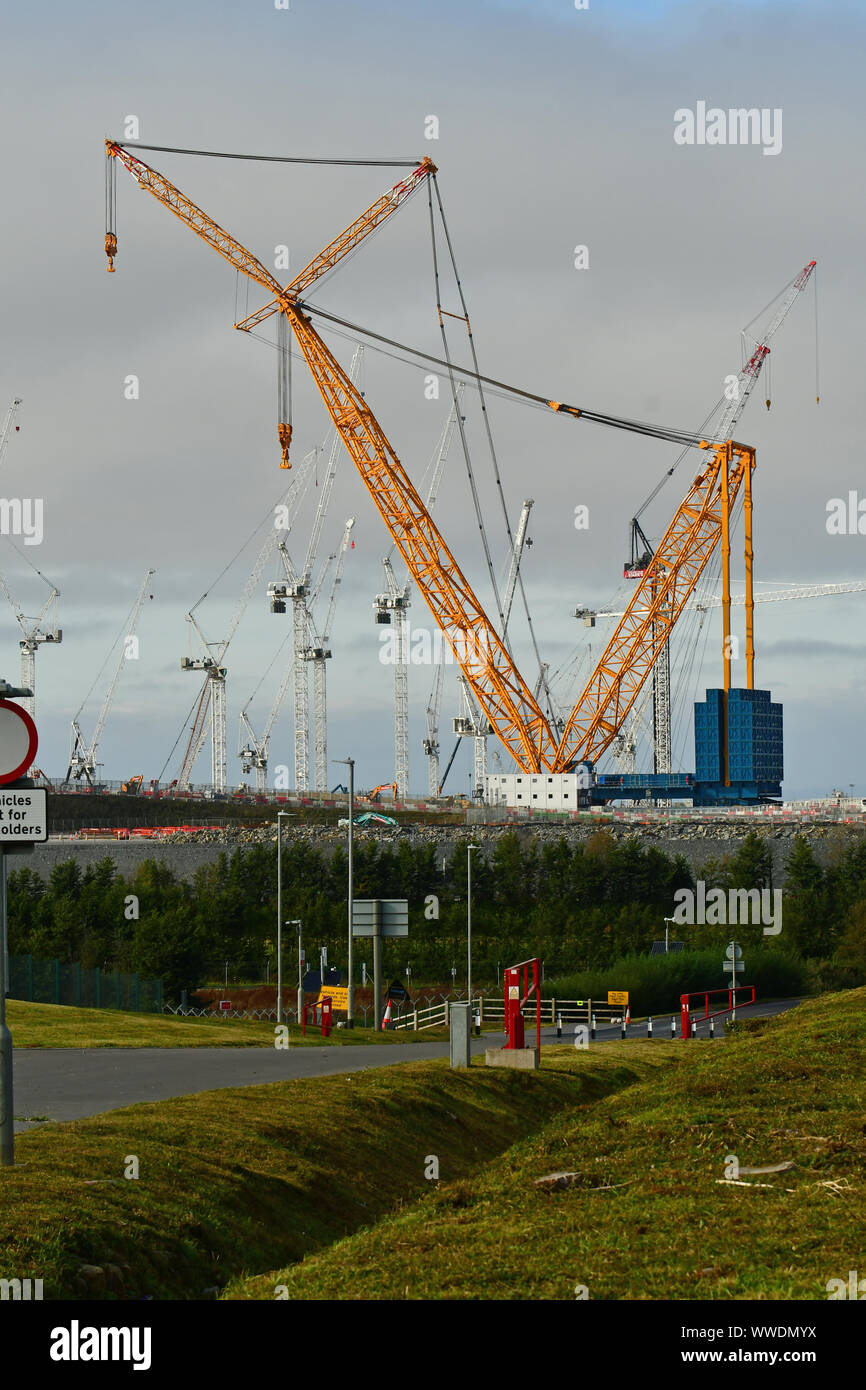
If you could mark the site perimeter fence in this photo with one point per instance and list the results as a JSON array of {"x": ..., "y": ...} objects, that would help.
[{"x": 55, "y": 982}]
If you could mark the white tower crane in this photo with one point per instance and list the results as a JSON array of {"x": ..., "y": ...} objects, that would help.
[
  {"x": 737, "y": 400},
  {"x": 431, "y": 742},
  {"x": 82, "y": 759},
  {"x": 297, "y": 589},
  {"x": 254, "y": 751},
  {"x": 211, "y": 708},
  {"x": 388, "y": 607},
  {"x": 318, "y": 653},
  {"x": 35, "y": 632}
]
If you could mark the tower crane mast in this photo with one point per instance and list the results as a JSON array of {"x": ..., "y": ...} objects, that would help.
[
  {"x": 318, "y": 654},
  {"x": 34, "y": 632}
]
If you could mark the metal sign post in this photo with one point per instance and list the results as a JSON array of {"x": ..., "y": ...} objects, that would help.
[
  {"x": 733, "y": 965},
  {"x": 7, "y": 1131},
  {"x": 378, "y": 917},
  {"x": 23, "y": 822}
]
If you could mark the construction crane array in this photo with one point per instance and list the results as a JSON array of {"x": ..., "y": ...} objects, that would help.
[
  {"x": 83, "y": 757},
  {"x": 296, "y": 588},
  {"x": 700, "y": 523},
  {"x": 210, "y": 713}
]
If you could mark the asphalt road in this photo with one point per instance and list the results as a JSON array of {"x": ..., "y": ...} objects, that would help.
[{"x": 72, "y": 1083}]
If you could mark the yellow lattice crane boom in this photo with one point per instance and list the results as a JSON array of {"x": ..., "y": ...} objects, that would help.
[
  {"x": 243, "y": 260},
  {"x": 701, "y": 521}
]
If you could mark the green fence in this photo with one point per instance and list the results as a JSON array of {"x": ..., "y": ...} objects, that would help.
[{"x": 52, "y": 982}]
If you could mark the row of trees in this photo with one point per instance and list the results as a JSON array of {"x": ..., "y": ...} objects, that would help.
[{"x": 577, "y": 905}]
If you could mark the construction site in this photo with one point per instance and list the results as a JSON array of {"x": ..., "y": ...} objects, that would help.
[
  {"x": 595, "y": 733},
  {"x": 432, "y": 539}
]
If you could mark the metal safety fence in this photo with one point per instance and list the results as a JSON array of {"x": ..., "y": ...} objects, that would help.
[{"x": 54, "y": 981}]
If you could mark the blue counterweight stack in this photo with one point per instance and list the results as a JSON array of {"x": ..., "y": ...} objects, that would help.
[{"x": 755, "y": 745}]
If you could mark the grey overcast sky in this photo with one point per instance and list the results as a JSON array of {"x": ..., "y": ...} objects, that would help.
[{"x": 555, "y": 130}]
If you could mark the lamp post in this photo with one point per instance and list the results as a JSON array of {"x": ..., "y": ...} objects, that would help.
[
  {"x": 350, "y": 996},
  {"x": 296, "y": 922},
  {"x": 281, "y": 815},
  {"x": 668, "y": 921},
  {"x": 469, "y": 850}
]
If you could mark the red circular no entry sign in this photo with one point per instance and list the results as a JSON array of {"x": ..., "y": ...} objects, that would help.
[{"x": 18, "y": 741}]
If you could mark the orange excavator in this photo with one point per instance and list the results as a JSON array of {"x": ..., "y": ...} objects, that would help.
[{"x": 384, "y": 787}]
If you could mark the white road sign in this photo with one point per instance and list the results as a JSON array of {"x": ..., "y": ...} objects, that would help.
[
  {"x": 734, "y": 952},
  {"x": 734, "y": 967},
  {"x": 23, "y": 814},
  {"x": 18, "y": 741}
]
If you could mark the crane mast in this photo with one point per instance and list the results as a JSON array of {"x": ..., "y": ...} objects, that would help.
[
  {"x": 318, "y": 654},
  {"x": 391, "y": 607},
  {"x": 34, "y": 633}
]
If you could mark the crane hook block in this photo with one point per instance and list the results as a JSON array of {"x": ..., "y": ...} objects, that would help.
[
  {"x": 110, "y": 250},
  {"x": 284, "y": 434}
]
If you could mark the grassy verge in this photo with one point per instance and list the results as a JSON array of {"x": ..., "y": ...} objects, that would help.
[
  {"x": 648, "y": 1217},
  {"x": 655, "y": 983},
  {"x": 57, "y": 1025},
  {"x": 243, "y": 1180}
]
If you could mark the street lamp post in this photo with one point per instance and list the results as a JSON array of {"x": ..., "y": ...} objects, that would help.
[
  {"x": 469, "y": 850},
  {"x": 350, "y": 996},
  {"x": 281, "y": 815},
  {"x": 668, "y": 921},
  {"x": 296, "y": 922}
]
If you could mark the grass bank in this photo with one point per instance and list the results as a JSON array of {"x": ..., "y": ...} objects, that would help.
[
  {"x": 59, "y": 1025},
  {"x": 655, "y": 983},
  {"x": 233, "y": 1182},
  {"x": 649, "y": 1214}
]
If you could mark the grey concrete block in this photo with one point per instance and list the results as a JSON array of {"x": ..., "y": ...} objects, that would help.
[{"x": 520, "y": 1058}]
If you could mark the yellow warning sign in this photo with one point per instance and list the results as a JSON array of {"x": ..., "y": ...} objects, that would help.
[
  {"x": 617, "y": 996},
  {"x": 338, "y": 995}
]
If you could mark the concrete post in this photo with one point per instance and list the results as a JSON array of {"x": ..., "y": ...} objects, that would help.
[{"x": 459, "y": 1037}]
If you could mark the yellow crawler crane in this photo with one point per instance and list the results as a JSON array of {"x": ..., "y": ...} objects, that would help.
[{"x": 701, "y": 521}]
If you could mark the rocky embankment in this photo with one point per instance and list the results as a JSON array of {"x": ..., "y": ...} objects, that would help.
[{"x": 696, "y": 841}]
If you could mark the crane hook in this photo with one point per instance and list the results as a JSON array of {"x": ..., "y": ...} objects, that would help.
[
  {"x": 110, "y": 251},
  {"x": 284, "y": 434}
]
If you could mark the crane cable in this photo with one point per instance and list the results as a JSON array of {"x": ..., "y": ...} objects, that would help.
[
  {"x": 479, "y": 515},
  {"x": 489, "y": 433},
  {"x": 271, "y": 158},
  {"x": 671, "y": 434}
]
